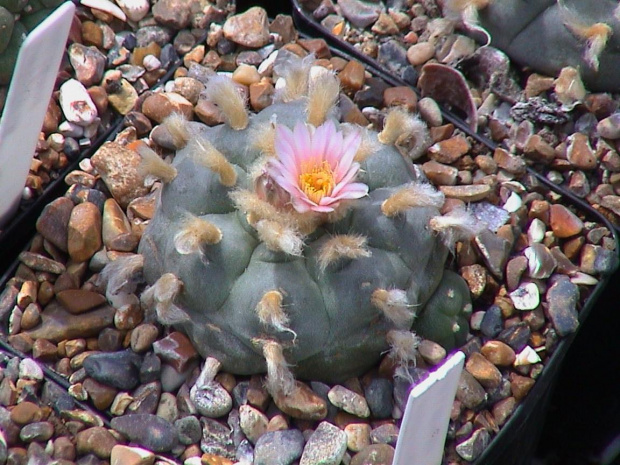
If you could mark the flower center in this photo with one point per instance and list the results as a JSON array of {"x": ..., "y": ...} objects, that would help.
[{"x": 317, "y": 182}]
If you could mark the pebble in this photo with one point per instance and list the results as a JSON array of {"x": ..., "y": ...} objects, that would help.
[
  {"x": 249, "y": 29},
  {"x": 25, "y": 413},
  {"x": 326, "y": 446},
  {"x": 374, "y": 454},
  {"x": 88, "y": 63},
  {"x": 216, "y": 438},
  {"x": 78, "y": 301},
  {"x": 420, "y": 53},
  {"x": 579, "y": 152},
  {"x": 96, "y": 440},
  {"x": 253, "y": 422},
  {"x": 498, "y": 353},
  {"x": 378, "y": 394},
  {"x": 175, "y": 14},
  {"x": 176, "y": 350},
  {"x": 541, "y": 262},
  {"x": 279, "y": 447},
  {"x": 483, "y": 370},
  {"x": 39, "y": 431},
  {"x": 471, "y": 448},
  {"x": 189, "y": 430},
  {"x": 527, "y": 356},
  {"x": 471, "y": 193},
  {"x": 116, "y": 369},
  {"x": 562, "y": 298},
  {"x": 360, "y": 14},
  {"x": 520, "y": 385},
  {"x": 76, "y": 104},
  {"x": 386, "y": 433},
  {"x": 469, "y": 391},
  {"x": 127, "y": 455},
  {"x": 58, "y": 325},
  {"x": 147, "y": 430},
  {"x": 349, "y": 401},
  {"x": 352, "y": 76},
  {"x": 358, "y": 436},
  {"x": 609, "y": 127},
  {"x": 160, "y": 105},
  {"x": 124, "y": 98},
  {"x": 118, "y": 167},
  {"x": 302, "y": 403}
]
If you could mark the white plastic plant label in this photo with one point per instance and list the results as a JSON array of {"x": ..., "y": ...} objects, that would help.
[
  {"x": 29, "y": 94},
  {"x": 425, "y": 423}
]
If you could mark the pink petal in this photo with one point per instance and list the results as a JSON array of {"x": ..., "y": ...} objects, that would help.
[
  {"x": 351, "y": 144},
  {"x": 323, "y": 134},
  {"x": 286, "y": 150},
  {"x": 354, "y": 190},
  {"x": 302, "y": 143},
  {"x": 333, "y": 151},
  {"x": 348, "y": 177}
]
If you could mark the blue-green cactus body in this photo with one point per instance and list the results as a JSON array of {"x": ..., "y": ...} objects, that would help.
[{"x": 335, "y": 330}]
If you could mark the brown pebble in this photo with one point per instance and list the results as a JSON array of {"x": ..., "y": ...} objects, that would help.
[
  {"x": 498, "y": 353},
  {"x": 302, "y": 403},
  {"x": 439, "y": 173},
  {"x": 101, "y": 395},
  {"x": 261, "y": 95},
  {"x": 563, "y": 222},
  {"x": 352, "y": 76},
  {"x": 96, "y": 440},
  {"x": 520, "y": 385},
  {"x": 84, "y": 237},
  {"x": 579, "y": 152},
  {"x": 158, "y": 106},
  {"x": 25, "y": 413},
  {"x": 176, "y": 349},
  {"x": 400, "y": 96},
  {"x": 79, "y": 301},
  {"x": 472, "y": 193},
  {"x": 449, "y": 150},
  {"x": 484, "y": 371}
]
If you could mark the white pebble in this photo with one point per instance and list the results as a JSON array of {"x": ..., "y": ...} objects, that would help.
[
  {"x": 527, "y": 356},
  {"x": 536, "y": 231},
  {"x": 526, "y": 297},
  {"x": 76, "y": 103},
  {"x": 69, "y": 129},
  {"x": 513, "y": 203},
  {"x": 29, "y": 369},
  {"x": 134, "y": 9},
  {"x": 151, "y": 63}
]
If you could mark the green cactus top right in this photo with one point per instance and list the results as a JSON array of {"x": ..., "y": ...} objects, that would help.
[{"x": 548, "y": 35}]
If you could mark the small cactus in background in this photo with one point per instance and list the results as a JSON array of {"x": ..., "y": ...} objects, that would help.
[
  {"x": 289, "y": 243},
  {"x": 548, "y": 35}
]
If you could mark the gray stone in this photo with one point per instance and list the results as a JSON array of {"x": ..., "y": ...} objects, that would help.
[
  {"x": 562, "y": 298},
  {"x": 326, "y": 446},
  {"x": 189, "y": 430},
  {"x": 116, "y": 369},
  {"x": 216, "y": 438},
  {"x": 360, "y": 14},
  {"x": 279, "y": 447},
  {"x": 492, "y": 322},
  {"x": 149, "y": 431},
  {"x": 378, "y": 395},
  {"x": 471, "y": 448}
]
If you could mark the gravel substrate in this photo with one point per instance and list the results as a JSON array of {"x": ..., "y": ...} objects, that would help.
[{"x": 529, "y": 276}]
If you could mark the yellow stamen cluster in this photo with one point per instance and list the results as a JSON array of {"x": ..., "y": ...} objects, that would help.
[{"x": 317, "y": 182}]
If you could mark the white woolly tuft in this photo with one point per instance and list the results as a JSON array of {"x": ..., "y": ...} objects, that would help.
[
  {"x": 412, "y": 195},
  {"x": 342, "y": 246},
  {"x": 263, "y": 138},
  {"x": 323, "y": 93},
  {"x": 595, "y": 35},
  {"x": 194, "y": 234},
  {"x": 206, "y": 378},
  {"x": 160, "y": 298},
  {"x": 280, "y": 379},
  {"x": 408, "y": 133},
  {"x": 403, "y": 346},
  {"x": 270, "y": 312},
  {"x": 279, "y": 237},
  {"x": 152, "y": 164},
  {"x": 457, "y": 225},
  {"x": 222, "y": 91},
  {"x": 121, "y": 278},
  {"x": 177, "y": 126},
  {"x": 395, "y": 306},
  {"x": 204, "y": 152},
  {"x": 295, "y": 72}
]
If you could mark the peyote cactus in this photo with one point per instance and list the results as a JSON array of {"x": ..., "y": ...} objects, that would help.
[
  {"x": 548, "y": 35},
  {"x": 313, "y": 247}
]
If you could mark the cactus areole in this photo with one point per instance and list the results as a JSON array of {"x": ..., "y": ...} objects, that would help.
[{"x": 281, "y": 246}]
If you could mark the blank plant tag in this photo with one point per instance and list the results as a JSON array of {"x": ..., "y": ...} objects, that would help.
[
  {"x": 29, "y": 95},
  {"x": 425, "y": 423}
]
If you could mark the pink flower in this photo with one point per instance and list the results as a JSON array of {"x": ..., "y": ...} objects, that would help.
[{"x": 316, "y": 167}]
